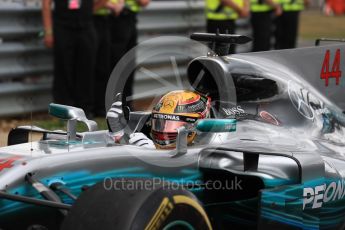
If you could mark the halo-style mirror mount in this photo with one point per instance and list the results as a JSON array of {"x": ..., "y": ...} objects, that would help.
[{"x": 72, "y": 115}]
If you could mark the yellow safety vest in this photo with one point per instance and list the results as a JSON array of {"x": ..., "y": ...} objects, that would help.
[
  {"x": 215, "y": 11},
  {"x": 292, "y": 5},
  {"x": 256, "y": 6},
  {"x": 132, "y": 5},
  {"x": 102, "y": 12}
]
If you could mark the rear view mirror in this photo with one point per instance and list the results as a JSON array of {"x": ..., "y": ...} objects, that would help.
[
  {"x": 72, "y": 115},
  {"x": 204, "y": 125},
  {"x": 216, "y": 125},
  {"x": 65, "y": 112}
]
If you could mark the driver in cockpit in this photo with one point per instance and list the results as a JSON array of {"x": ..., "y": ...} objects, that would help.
[{"x": 175, "y": 109}]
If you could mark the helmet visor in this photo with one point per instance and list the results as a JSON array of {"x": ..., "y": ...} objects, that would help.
[
  {"x": 166, "y": 126},
  {"x": 170, "y": 123}
]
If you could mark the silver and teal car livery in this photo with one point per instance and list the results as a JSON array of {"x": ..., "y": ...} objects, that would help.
[{"x": 272, "y": 156}]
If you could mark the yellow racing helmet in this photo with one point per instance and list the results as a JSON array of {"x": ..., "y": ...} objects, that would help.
[{"x": 176, "y": 109}]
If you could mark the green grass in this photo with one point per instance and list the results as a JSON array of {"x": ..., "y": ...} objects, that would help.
[{"x": 313, "y": 24}]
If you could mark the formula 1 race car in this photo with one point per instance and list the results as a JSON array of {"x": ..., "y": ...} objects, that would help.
[{"x": 271, "y": 156}]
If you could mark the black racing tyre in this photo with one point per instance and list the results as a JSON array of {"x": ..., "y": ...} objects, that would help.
[{"x": 136, "y": 204}]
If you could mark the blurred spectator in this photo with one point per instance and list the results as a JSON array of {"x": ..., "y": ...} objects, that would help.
[
  {"x": 71, "y": 32},
  {"x": 262, "y": 13},
  {"x": 124, "y": 33},
  {"x": 102, "y": 68},
  {"x": 222, "y": 15},
  {"x": 287, "y": 24}
]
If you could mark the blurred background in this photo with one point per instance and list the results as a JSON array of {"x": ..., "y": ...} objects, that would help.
[{"x": 26, "y": 65}]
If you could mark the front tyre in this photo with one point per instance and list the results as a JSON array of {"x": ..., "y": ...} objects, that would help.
[{"x": 139, "y": 204}]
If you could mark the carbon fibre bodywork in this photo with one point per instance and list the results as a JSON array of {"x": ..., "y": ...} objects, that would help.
[{"x": 285, "y": 163}]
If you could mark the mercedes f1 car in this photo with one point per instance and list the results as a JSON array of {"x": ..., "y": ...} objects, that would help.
[{"x": 272, "y": 155}]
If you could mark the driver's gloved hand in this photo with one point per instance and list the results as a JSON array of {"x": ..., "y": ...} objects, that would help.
[
  {"x": 140, "y": 139},
  {"x": 116, "y": 119}
]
